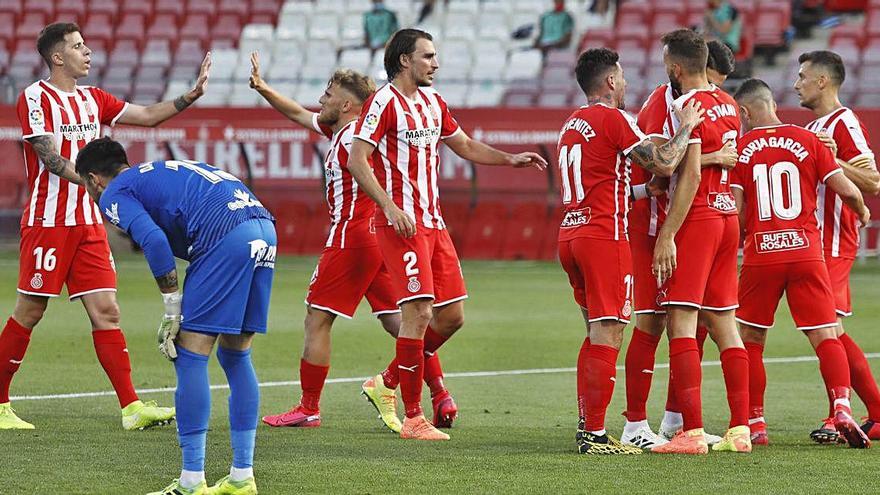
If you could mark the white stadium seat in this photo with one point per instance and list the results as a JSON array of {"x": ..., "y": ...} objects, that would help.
[
  {"x": 485, "y": 94},
  {"x": 524, "y": 64},
  {"x": 224, "y": 62},
  {"x": 256, "y": 37},
  {"x": 460, "y": 25},
  {"x": 324, "y": 26},
  {"x": 358, "y": 59}
]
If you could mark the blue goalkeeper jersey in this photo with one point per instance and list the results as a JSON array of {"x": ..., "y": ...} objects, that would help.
[{"x": 178, "y": 208}]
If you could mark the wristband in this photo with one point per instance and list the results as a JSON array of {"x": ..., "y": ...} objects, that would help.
[
  {"x": 172, "y": 303},
  {"x": 640, "y": 191}
]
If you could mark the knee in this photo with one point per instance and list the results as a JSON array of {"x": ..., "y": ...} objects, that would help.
[
  {"x": 422, "y": 314},
  {"x": 28, "y": 315},
  {"x": 107, "y": 315},
  {"x": 448, "y": 323}
]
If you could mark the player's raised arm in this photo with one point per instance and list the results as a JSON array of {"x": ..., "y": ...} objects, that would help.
[
  {"x": 685, "y": 190},
  {"x": 289, "y": 107},
  {"x": 477, "y": 152},
  {"x": 155, "y": 114},
  {"x": 44, "y": 146},
  {"x": 664, "y": 159},
  {"x": 359, "y": 166}
]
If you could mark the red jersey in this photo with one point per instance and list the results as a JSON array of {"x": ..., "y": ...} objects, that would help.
[
  {"x": 839, "y": 225},
  {"x": 647, "y": 216},
  {"x": 72, "y": 119},
  {"x": 778, "y": 170},
  {"x": 351, "y": 213},
  {"x": 720, "y": 125},
  {"x": 407, "y": 134},
  {"x": 594, "y": 172}
]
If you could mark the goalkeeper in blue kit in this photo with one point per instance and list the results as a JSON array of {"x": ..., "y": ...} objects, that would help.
[{"x": 206, "y": 216}]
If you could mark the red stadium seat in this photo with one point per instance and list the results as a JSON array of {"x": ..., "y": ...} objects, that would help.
[
  {"x": 10, "y": 7},
  {"x": 485, "y": 231},
  {"x": 164, "y": 26},
  {"x": 144, "y": 7},
  {"x": 634, "y": 13},
  {"x": 131, "y": 27},
  {"x": 846, "y": 5},
  {"x": 103, "y": 7},
  {"x": 269, "y": 8},
  {"x": 208, "y": 7},
  {"x": 847, "y": 34},
  {"x": 45, "y": 7},
  {"x": 30, "y": 25},
  {"x": 173, "y": 7},
  {"x": 125, "y": 53},
  {"x": 664, "y": 22},
  {"x": 524, "y": 232},
  {"x": 770, "y": 26},
  {"x": 195, "y": 27},
  {"x": 71, "y": 11},
  {"x": 190, "y": 52},
  {"x": 98, "y": 26},
  {"x": 597, "y": 38},
  {"x": 227, "y": 27},
  {"x": 291, "y": 225},
  {"x": 237, "y": 7},
  {"x": 7, "y": 25}
]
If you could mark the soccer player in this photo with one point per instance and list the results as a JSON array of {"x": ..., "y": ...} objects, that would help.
[
  {"x": 595, "y": 146},
  {"x": 400, "y": 129},
  {"x": 775, "y": 184},
  {"x": 701, "y": 225},
  {"x": 820, "y": 76},
  {"x": 645, "y": 219},
  {"x": 206, "y": 216},
  {"x": 350, "y": 267},
  {"x": 62, "y": 237}
]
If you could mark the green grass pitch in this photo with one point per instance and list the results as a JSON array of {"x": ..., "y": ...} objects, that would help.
[{"x": 514, "y": 434}]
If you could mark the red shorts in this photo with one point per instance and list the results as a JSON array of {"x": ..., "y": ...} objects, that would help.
[
  {"x": 600, "y": 272},
  {"x": 344, "y": 276},
  {"x": 838, "y": 270},
  {"x": 807, "y": 288},
  {"x": 46, "y": 261},
  {"x": 647, "y": 295},
  {"x": 422, "y": 266},
  {"x": 705, "y": 277}
]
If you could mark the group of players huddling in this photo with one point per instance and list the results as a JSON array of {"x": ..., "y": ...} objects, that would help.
[{"x": 661, "y": 244}]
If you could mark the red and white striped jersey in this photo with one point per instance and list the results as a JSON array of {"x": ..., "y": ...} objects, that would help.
[
  {"x": 594, "y": 172},
  {"x": 73, "y": 119},
  {"x": 838, "y": 224},
  {"x": 407, "y": 134},
  {"x": 351, "y": 213},
  {"x": 720, "y": 125},
  {"x": 647, "y": 216}
]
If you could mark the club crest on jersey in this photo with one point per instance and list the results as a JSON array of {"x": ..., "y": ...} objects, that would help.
[
  {"x": 262, "y": 253},
  {"x": 36, "y": 118},
  {"x": 113, "y": 213},
  {"x": 661, "y": 297},
  {"x": 413, "y": 286},
  {"x": 722, "y": 201},
  {"x": 37, "y": 281},
  {"x": 371, "y": 121},
  {"x": 781, "y": 240},
  {"x": 576, "y": 218}
]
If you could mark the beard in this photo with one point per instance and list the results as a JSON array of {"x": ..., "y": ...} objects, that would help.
[
  {"x": 808, "y": 104},
  {"x": 328, "y": 117},
  {"x": 675, "y": 84}
]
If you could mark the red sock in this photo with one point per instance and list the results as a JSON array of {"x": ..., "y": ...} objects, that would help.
[
  {"x": 601, "y": 369},
  {"x": 757, "y": 379},
  {"x": 684, "y": 364},
  {"x": 312, "y": 379},
  {"x": 13, "y": 343},
  {"x": 582, "y": 377},
  {"x": 862, "y": 380},
  {"x": 735, "y": 367},
  {"x": 834, "y": 368},
  {"x": 113, "y": 355},
  {"x": 434, "y": 374},
  {"x": 433, "y": 340},
  {"x": 411, "y": 363},
  {"x": 391, "y": 374},
  {"x": 702, "y": 333},
  {"x": 639, "y": 373}
]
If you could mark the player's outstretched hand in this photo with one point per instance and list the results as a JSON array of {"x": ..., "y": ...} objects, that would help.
[
  {"x": 727, "y": 156},
  {"x": 828, "y": 141},
  {"x": 690, "y": 115},
  {"x": 402, "y": 223},
  {"x": 664, "y": 259},
  {"x": 527, "y": 159},
  {"x": 202, "y": 81},
  {"x": 256, "y": 80},
  {"x": 168, "y": 330}
]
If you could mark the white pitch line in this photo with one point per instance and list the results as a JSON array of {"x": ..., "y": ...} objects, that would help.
[{"x": 357, "y": 379}]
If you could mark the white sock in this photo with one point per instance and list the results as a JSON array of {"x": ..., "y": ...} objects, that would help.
[
  {"x": 842, "y": 402},
  {"x": 672, "y": 419},
  {"x": 632, "y": 426},
  {"x": 756, "y": 420},
  {"x": 240, "y": 474},
  {"x": 599, "y": 433},
  {"x": 191, "y": 479}
]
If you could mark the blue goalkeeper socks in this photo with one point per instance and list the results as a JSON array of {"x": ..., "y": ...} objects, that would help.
[
  {"x": 193, "y": 402},
  {"x": 244, "y": 404}
]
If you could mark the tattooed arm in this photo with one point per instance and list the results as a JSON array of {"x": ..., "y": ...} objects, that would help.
[
  {"x": 44, "y": 146},
  {"x": 168, "y": 282},
  {"x": 664, "y": 159}
]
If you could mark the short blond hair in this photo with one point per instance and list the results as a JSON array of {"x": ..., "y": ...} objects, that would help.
[{"x": 359, "y": 85}]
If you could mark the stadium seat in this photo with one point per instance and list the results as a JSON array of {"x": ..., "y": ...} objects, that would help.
[
  {"x": 131, "y": 27},
  {"x": 195, "y": 26},
  {"x": 11, "y": 7},
  {"x": 485, "y": 94},
  {"x": 164, "y": 26},
  {"x": 358, "y": 59},
  {"x": 207, "y": 7},
  {"x": 460, "y": 25},
  {"x": 44, "y": 7},
  {"x": 110, "y": 7},
  {"x": 235, "y": 7},
  {"x": 142, "y": 7},
  {"x": 173, "y": 7},
  {"x": 243, "y": 96},
  {"x": 309, "y": 91},
  {"x": 485, "y": 233},
  {"x": 337, "y": 8},
  {"x": 226, "y": 27},
  {"x": 69, "y": 11},
  {"x": 352, "y": 30},
  {"x": 256, "y": 37},
  {"x": 469, "y": 7},
  {"x": 157, "y": 53},
  {"x": 224, "y": 64},
  {"x": 30, "y": 25},
  {"x": 125, "y": 53},
  {"x": 519, "y": 99},
  {"x": 493, "y": 24},
  {"x": 120, "y": 88},
  {"x": 634, "y": 13},
  {"x": 99, "y": 26},
  {"x": 524, "y": 64},
  {"x": 524, "y": 232},
  {"x": 454, "y": 92},
  {"x": 324, "y": 26}
]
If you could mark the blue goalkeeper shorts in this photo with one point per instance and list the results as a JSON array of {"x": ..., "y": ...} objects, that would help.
[{"x": 227, "y": 289}]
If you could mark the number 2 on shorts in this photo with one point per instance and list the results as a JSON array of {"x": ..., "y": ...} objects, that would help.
[{"x": 410, "y": 259}]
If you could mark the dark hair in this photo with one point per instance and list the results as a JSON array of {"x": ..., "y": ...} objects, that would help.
[
  {"x": 593, "y": 66},
  {"x": 830, "y": 61},
  {"x": 103, "y": 156},
  {"x": 752, "y": 88},
  {"x": 721, "y": 58},
  {"x": 51, "y": 35},
  {"x": 688, "y": 49},
  {"x": 402, "y": 42}
]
